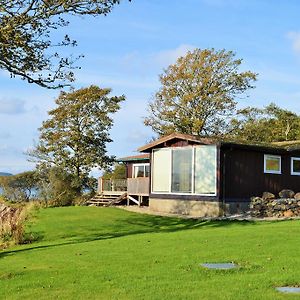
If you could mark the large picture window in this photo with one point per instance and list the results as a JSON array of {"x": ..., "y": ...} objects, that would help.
[
  {"x": 161, "y": 174},
  {"x": 185, "y": 170},
  {"x": 295, "y": 166},
  {"x": 205, "y": 170},
  {"x": 272, "y": 164}
]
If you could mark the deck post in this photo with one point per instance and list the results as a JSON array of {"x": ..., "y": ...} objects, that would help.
[
  {"x": 100, "y": 185},
  {"x": 111, "y": 185}
]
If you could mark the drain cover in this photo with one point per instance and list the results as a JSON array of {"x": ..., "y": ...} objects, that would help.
[
  {"x": 219, "y": 266},
  {"x": 288, "y": 289}
]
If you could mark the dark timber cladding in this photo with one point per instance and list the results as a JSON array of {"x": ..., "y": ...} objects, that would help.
[{"x": 242, "y": 172}]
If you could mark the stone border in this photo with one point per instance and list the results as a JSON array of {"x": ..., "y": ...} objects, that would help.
[{"x": 236, "y": 217}]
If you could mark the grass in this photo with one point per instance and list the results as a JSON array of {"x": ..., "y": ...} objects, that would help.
[{"x": 107, "y": 253}]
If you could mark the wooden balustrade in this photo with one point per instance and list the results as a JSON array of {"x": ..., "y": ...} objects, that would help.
[
  {"x": 112, "y": 185},
  {"x": 138, "y": 186},
  {"x": 134, "y": 186}
]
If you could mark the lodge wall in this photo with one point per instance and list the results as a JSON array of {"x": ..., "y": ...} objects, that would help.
[
  {"x": 129, "y": 167},
  {"x": 184, "y": 207},
  {"x": 243, "y": 174}
]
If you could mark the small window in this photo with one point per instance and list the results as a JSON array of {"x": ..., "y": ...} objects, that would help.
[
  {"x": 272, "y": 164},
  {"x": 140, "y": 170},
  {"x": 295, "y": 166}
]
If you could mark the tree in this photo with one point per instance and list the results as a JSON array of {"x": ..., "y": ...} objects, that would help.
[
  {"x": 19, "y": 187},
  {"x": 268, "y": 124},
  {"x": 198, "y": 93},
  {"x": 75, "y": 136},
  {"x": 27, "y": 48},
  {"x": 119, "y": 172}
]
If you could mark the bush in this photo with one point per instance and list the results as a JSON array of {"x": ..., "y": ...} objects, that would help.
[
  {"x": 12, "y": 221},
  {"x": 58, "y": 187}
]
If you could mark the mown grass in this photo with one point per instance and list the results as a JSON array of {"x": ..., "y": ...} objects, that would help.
[{"x": 107, "y": 253}]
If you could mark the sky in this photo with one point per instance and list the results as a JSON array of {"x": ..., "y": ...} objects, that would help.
[{"x": 128, "y": 49}]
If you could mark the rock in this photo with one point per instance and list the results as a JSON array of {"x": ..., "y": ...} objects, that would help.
[
  {"x": 267, "y": 195},
  {"x": 288, "y": 214},
  {"x": 278, "y": 208},
  {"x": 297, "y": 196},
  {"x": 286, "y": 194}
]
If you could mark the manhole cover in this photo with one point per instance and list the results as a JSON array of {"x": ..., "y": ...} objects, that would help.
[
  {"x": 219, "y": 266},
  {"x": 288, "y": 289}
]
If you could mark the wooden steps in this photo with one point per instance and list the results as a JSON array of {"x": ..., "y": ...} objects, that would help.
[{"x": 106, "y": 199}]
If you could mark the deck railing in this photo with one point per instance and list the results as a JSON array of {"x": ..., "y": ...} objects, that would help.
[
  {"x": 133, "y": 186},
  {"x": 138, "y": 186},
  {"x": 112, "y": 185}
]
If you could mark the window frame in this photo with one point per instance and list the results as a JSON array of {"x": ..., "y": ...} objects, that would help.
[
  {"x": 266, "y": 156},
  {"x": 140, "y": 165},
  {"x": 192, "y": 174},
  {"x": 292, "y": 169}
]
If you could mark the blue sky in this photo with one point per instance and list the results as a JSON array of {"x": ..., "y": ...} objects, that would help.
[{"x": 128, "y": 49}]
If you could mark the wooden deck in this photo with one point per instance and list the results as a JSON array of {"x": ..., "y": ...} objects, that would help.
[
  {"x": 114, "y": 191},
  {"x": 133, "y": 186}
]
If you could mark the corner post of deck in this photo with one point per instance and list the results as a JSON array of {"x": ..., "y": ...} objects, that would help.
[{"x": 100, "y": 185}]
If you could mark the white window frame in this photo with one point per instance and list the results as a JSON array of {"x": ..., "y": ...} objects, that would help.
[
  {"x": 193, "y": 173},
  {"x": 266, "y": 156},
  {"x": 292, "y": 164},
  {"x": 140, "y": 165}
]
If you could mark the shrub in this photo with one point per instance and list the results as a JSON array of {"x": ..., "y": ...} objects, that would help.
[
  {"x": 58, "y": 187},
  {"x": 12, "y": 221}
]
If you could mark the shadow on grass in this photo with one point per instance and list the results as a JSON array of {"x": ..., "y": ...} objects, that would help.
[{"x": 131, "y": 224}]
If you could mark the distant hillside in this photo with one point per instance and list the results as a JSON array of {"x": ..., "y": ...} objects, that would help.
[{"x": 5, "y": 174}]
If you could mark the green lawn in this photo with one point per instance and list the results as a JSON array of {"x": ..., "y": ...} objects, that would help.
[{"x": 107, "y": 253}]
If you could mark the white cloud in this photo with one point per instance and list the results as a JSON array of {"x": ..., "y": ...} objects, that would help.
[
  {"x": 137, "y": 136},
  {"x": 167, "y": 57},
  {"x": 11, "y": 106},
  {"x": 294, "y": 36},
  {"x": 278, "y": 76},
  {"x": 4, "y": 135}
]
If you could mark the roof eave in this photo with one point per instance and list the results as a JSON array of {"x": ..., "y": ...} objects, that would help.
[{"x": 184, "y": 137}]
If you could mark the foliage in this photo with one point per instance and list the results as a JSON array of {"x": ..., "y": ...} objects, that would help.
[
  {"x": 12, "y": 222},
  {"x": 91, "y": 185},
  {"x": 268, "y": 124},
  {"x": 198, "y": 93},
  {"x": 118, "y": 172},
  {"x": 74, "y": 138},
  {"x": 27, "y": 46},
  {"x": 78, "y": 256},
  {"x": 57, "y": 187},
  {"x": 20, "y": 187}
]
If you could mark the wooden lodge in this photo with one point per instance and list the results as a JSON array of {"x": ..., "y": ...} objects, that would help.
[
  {"x": 190, "y": 175},
  {"x": 208, "y": 177}
]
